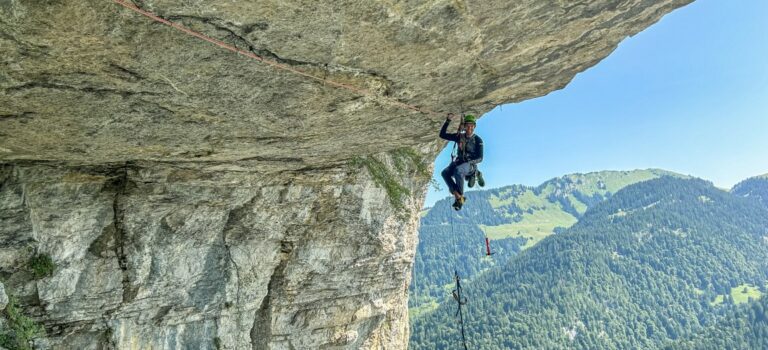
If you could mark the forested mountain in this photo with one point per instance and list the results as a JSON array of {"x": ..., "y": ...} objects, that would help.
[
  {"x": 744, "y": 328},
  {"x": 514, "y": 218},
  {"x": 755, "y": 187},
  {"x": 658, "y": 261}
]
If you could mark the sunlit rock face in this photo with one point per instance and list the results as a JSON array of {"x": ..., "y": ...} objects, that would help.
[
  {"x": 191, "y": 256},
  {"x": 191, "y": 197}
]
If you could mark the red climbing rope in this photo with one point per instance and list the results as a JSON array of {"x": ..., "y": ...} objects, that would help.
[{"x": 276, "y": 65}]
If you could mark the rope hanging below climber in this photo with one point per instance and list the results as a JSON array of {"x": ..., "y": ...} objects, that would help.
[
  {"x": 460, "y": 301},
  {"x": 457, "y": 292}
]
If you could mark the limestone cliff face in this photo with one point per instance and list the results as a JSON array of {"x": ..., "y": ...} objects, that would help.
[
  {"x": 188, "y": 257},
  {"x": 193, "y": 198}
]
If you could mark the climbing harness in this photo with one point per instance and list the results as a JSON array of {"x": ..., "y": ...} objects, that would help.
[{"x": 274, "y": 64}]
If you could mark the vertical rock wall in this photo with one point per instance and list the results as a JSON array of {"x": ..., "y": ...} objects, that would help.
[{"x": 190, "y": 257}]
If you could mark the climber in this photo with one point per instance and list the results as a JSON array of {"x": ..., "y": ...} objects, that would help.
[{"x": 464, "y": 164}]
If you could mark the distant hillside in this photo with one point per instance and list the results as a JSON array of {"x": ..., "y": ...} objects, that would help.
[
  {"x": 657, "y": 261},
  {"x": 514, "y": 217},
  {"x": 755, "y": 187},
  {"x": 536, "y": 212},
  {"x": 743, "y": 328}
]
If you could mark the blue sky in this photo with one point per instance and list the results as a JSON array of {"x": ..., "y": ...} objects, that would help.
[{"x": 689, "y": 94}]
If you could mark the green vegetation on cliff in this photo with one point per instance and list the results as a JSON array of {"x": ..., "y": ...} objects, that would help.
[
  {"x": 41, "y": 265},
  {"x": 406, "y": 162},
  {"x": 20, "y": 329}
]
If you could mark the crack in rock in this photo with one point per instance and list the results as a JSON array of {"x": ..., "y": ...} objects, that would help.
[
  {"x": 87, "y": 89},
  {"x": 120, "y": 185},
  {"x": 262, "y": 323}
]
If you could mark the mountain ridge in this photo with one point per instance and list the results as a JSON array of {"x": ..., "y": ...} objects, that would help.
[
  {"x": 514, "y": 217},
  {"x": 755, "y": 187},
  {"x": 642, "y": 277}
]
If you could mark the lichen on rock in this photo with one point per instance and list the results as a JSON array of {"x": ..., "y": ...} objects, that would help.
[{"x": 3, "y": 297}]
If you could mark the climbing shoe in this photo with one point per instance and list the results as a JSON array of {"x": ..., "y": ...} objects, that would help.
[
  {"x": 458, "y": 203},
  {"x": 471, "y": 181},
  {"x": 480, "y": 180}
]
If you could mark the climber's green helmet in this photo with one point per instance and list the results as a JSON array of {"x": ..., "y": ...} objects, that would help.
[{"x": 470, "y": 119}]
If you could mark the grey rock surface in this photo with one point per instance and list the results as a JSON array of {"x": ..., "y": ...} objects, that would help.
[
  {"x": 89, "y": 81},
  {"x": 192, "y": 198},
  {"x": 188, "y": 257}
]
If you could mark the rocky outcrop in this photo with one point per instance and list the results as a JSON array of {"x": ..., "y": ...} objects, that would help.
[
  {"x": 189, "y": 197},
  {"x": 189, "y": 257}
]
